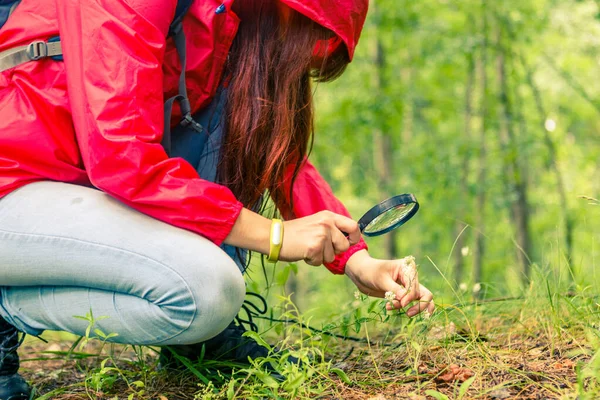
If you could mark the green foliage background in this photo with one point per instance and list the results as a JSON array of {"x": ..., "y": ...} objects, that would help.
[{"x": 428, "y": 46}]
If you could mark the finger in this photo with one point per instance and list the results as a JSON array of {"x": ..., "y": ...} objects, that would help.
[
  {"x": 314, "y": 257},
  {"x": 417, "y": 308},
  {"x": 403, "y": 296},
  {"x": 348, "y": 225},
  {"x": 406, "y": 297},
  {"x": 315, "y": 262},
  {"x": 420, "y": 306},
  {"x": 340, "y": 242},
  {"x": 431, "y": 307},
  {"x": 393, "y": 305},
  {"x": 424, "y": 291},
  {"x": 328, "y": 251}
]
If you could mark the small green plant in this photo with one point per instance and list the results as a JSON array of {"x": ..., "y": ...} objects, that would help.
[
  {"x": 91, "y": 320},
  {"x": 106, "y": 377}
]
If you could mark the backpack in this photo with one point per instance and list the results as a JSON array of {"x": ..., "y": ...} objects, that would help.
[
  {"x": 6, "y": 8},
  {"x": 39, "y": 50}
]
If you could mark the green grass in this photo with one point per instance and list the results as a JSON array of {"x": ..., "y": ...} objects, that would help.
[
  {"x": 503, "y": 342},
  {"x": 544, "y": 343}
]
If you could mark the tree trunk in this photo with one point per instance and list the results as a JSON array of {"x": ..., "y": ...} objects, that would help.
[
  {"x": 382, "y": 144},
  {"x": 516, "y": 182},
  {"x": 481, "y": 176},
  {"x": 383, "y": 163},
  {"x": 569, "y": 222},
  {"x": 408, "y": 106},
  {"x": 460, "y": 231}
]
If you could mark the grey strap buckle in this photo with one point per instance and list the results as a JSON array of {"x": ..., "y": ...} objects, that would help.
[
  {"x": 37, "y": 50},
  {"x": 187, "y": 120},
  {"x": 34, "y": 51}
]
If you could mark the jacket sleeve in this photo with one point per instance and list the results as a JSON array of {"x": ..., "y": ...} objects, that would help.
[
  {"x": 113, "y": 52},
  {"x": 312, "y": 194}
]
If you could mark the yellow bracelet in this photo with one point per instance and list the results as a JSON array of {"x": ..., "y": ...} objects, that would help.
[{"x": 275, "y": 240}]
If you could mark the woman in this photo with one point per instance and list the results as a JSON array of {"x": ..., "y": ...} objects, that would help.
[{"x": 144, "y": 250}]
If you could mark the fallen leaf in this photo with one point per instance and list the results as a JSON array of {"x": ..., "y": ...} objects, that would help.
[
  {"x": 455, "y": 373},
  {"x": 464, "y": 374},
  {"x": 378, "y": 397},
  {"x": 447, "y": 377},
  {"x": 563, "y": 364}
]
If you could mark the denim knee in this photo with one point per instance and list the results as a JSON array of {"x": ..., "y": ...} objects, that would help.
[{"x": 216, "y": 293}]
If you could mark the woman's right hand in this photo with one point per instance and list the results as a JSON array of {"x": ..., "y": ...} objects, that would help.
[
  {"x": 315, "y": 239},
  {"x": 318, "y": 238}
]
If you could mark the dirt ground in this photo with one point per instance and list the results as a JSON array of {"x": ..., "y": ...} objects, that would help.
[{"x": 507, "y": 365}]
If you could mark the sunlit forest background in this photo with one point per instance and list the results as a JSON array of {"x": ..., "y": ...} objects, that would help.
[{"x": 489, "y": 113}]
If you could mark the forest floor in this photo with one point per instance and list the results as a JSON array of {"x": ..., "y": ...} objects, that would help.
[{"x": 535, "y": 348}]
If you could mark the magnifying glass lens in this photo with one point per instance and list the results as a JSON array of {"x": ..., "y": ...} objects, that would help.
[{"x": 388, "y": 219}]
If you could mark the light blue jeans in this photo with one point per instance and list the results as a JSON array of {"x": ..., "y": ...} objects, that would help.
[{"x": 67, "y": 249}]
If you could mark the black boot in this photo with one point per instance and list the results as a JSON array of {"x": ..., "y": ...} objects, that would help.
[
  {"x": 229, "y": 345},
  {"x": 12, "y": 385}
]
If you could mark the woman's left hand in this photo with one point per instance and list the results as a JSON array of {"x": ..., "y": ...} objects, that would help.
[{"x": 375, "y": 277}]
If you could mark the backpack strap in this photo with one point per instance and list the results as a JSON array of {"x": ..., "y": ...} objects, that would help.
[
  {"x": 180, "y": 10},
  {"x": 6, "y": 8},
  {"x": 176, "y": 31},
  {"x": 34, "y": 51},
  {"x": 39, "y": 50}
]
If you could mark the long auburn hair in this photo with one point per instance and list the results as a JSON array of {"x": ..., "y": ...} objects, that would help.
[{"x": 269, "y": 109}]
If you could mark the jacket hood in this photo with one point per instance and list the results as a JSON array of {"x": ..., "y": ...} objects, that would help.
[{"x": 344, "y": 17}]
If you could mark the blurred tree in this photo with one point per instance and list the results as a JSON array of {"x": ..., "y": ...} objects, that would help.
[
  {"x": 482, "y": 174},
  {"x": 383, "y": 148},
  {"x": 461, "y": 233},
  {"x": 516, "y": 179},
  {"x": 488, "y": 112}
]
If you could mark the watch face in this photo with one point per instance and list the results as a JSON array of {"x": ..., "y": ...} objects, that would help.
[
  {"x": 277, "y": 236},
  {"x": 275, "y": 240}
]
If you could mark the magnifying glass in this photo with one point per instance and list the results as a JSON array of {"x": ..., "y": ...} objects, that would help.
[{"x": 388, "y": 215}]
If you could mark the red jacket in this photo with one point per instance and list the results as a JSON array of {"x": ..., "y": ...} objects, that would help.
[{"x": 97, "y": 118}]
